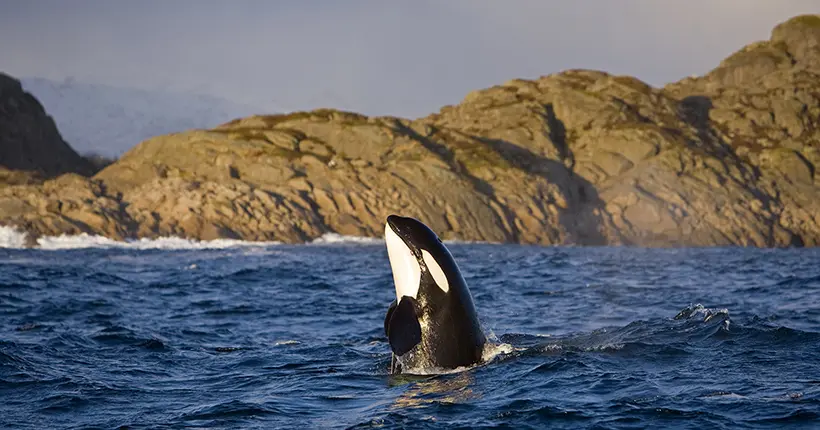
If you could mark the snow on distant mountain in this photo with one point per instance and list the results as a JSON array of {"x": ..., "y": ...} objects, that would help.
[{"x": 109, "y": 120}]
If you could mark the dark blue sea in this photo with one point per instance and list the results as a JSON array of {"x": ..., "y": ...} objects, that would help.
[{"x": 286, "y": 336}]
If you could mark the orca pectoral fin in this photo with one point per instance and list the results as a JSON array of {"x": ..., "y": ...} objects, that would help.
[
  {"x": 404, "y": 330},
  {"x": 389, "y": 314}
]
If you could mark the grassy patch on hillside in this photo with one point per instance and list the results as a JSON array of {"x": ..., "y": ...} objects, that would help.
[
  {"x": 806, "y": 20},
  {"x": 476, "y": 155},
  {"x": 348, "y": 118}
]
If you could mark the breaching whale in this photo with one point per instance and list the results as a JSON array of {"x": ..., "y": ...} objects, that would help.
[{"x": 433, "y": 321}]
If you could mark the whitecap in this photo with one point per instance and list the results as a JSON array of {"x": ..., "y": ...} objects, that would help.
[
  {"x": 493, "y": 350},
  {"x": 490, "y": 352},
  {"x": 336, "y": 238},
  {"x": 10, "y": 237},
  {"x": 551, "y": 348},
  {"x": 724, "y": 396},
  {"x": 433, "y": 371},
  {"x": 609, "y": 347},
  {"x": 83, "y": 241},
  {"x": 699, "y": 311}
]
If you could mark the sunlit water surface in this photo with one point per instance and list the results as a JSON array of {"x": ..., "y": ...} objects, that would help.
[{"x": 292, "y": 336}]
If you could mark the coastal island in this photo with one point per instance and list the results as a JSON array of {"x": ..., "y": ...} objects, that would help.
[{"x": 580, "y": 157}]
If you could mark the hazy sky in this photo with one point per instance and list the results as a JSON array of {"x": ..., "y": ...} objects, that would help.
[{"x": 374, "y": 56}]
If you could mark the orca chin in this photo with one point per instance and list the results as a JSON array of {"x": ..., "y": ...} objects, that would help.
[
  {"x": 433, "y": 321},
  {"x": 406, "y": 269}
]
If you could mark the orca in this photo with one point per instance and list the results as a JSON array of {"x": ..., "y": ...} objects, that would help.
[{"x": 433, "y": 321}]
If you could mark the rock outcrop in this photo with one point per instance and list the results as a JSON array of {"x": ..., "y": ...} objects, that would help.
[
  {"x": 30, "y": 145},
  {"x": 579, "y": 157}
]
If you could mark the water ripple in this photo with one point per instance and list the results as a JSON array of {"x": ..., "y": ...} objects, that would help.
[{"x": 291, "y": 337}]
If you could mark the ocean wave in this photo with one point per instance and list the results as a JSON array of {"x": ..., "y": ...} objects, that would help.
[
  {"x": 491, "y": 351},
  {"x": 698, "y": 311},
  {"x": 230, "y": 409},
  {"x": 217, "y": 343},
  {"x": 336, "y": 238},
  {"x": 166, "y": 243},
  {"x": 10, "y": 237}
]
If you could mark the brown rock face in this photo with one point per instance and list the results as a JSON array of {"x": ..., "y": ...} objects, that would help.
[
  {"x": 580, "y": 157},
  {"x": 29, "y": 140}
]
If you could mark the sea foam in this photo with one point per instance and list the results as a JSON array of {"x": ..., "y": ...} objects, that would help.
[
  {"x": 335, "y": 238},
  {"x": 13, "y": 238},
  {"x": 10, "y": 237},
  {"x": 167, "y": 243}
]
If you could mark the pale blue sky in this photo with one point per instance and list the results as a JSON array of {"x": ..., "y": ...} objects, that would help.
[{"x": 374, "y": 56}]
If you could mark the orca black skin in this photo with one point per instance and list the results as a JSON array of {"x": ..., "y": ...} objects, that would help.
[{"x": 433, "y": 321}]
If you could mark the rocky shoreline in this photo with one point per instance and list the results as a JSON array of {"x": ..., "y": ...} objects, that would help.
[{"x": 579, "y": 157}]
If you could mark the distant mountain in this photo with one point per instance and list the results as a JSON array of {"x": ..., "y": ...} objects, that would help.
[
  {"x": 109, "y": 120},
  {"x": 30, "y": 144}
]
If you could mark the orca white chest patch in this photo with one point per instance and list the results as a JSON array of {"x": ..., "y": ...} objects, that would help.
[
  {"x": 435, "y": 270},
  {"x": 406, "y": 270}
]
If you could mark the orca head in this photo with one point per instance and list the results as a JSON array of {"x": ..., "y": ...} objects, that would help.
[
  {"x": 420, "y": 262},
  {"x": 433, "y": 306}
]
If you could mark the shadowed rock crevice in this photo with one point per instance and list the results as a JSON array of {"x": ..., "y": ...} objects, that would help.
[
  {"x": 581, "y": 216},
  {"x": 478, "y": 184},
  {"x": 696, "y": 111},
  {"x": 558, "y": 136}
]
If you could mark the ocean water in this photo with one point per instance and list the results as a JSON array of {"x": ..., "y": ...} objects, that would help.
[{"x": 180, "y": 334}]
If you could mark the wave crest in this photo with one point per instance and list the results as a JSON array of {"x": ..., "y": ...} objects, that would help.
[
  {"x": 336, "y": 238},
  {"x": 698, "y": 311},
  {"x": 15, "y": 239},
  {"x": 10, "y": 237}
]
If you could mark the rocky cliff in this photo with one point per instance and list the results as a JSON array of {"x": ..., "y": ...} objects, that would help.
[
  {"x": 30, "y": 145},
  {"x": 579, "y": 157}
]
